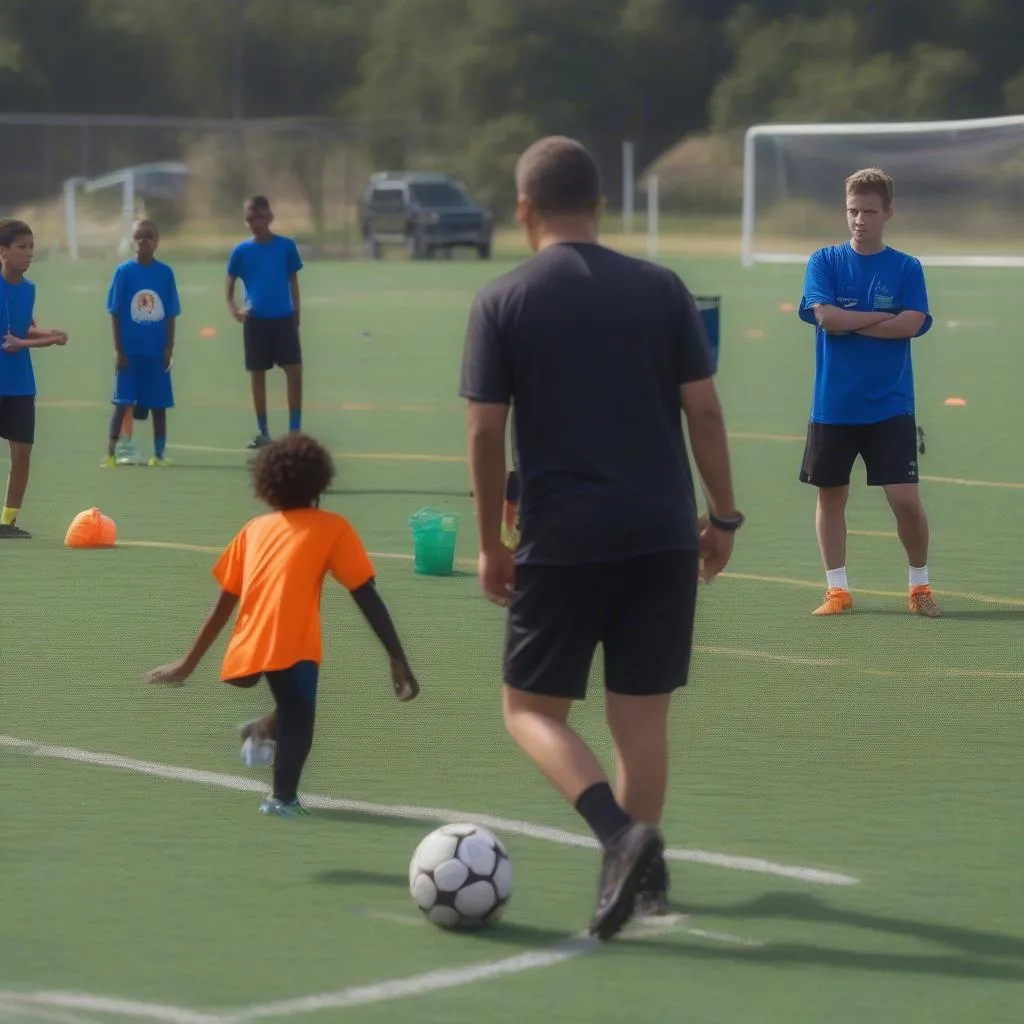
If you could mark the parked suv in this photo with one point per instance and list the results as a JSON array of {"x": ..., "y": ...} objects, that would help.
[{"x": 423, "y": 213}]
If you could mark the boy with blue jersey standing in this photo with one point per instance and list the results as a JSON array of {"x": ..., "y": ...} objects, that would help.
[
  {"x": 143, "y": 304},
  {"x": 18, "y": 334},
  {"x": 866, "y": 301},
  {"x": 268, "y": 265}
]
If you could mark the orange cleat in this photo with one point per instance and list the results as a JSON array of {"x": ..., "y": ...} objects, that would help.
[
  {"x": 837, "y": 601},
  {"x": 923, "y": 603}
]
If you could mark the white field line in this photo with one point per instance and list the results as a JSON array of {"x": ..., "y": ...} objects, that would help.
[
  {"x": 357, "y": 995},
  {"x": 413, "y": 813},
  {"x": 545, "y": 833}
]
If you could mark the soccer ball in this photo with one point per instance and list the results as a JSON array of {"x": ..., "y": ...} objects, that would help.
[{"x": 461, "y": 877}]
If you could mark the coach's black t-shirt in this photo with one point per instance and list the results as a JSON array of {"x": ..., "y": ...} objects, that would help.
[{"x": 591, "y": 346}]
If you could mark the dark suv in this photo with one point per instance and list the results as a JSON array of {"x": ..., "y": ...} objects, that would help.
[{"x": 424, "y": 213}]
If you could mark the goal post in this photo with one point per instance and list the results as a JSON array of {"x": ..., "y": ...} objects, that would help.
[
  {"x": 134, "y": 182},
  {"x": 959, "y": 188}
]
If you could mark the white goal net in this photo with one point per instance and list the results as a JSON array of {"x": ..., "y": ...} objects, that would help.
[{"x": 959, "y": 188}]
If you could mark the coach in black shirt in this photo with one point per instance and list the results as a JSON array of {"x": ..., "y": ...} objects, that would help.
[{"x": 597, "y": 350}]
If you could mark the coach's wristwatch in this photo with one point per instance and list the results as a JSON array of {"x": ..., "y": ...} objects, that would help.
[{"x": 730, "y": 524}]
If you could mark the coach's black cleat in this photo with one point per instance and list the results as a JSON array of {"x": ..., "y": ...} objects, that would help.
[
  {"x": 627, "y": 861},
  {"x": 652, "y": 896},
  {"x": 12, "y": 532}
]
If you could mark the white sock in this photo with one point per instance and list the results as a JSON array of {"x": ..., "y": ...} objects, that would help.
[
  {"x": 919, "y": 577},
  {"x": 837, "y": 579}
]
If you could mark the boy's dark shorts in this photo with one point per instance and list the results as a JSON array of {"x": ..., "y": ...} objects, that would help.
[
  {"x": 18, "y": 418},
  {"x": 641, "y": 610},
  {"x": 888, "y": 448},
  {"x": 270, "y": 343}
]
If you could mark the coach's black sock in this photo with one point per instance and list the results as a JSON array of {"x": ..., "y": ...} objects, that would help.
[
  {"x": 600, "y": 811},
  {"x": 295, "y": 717}
]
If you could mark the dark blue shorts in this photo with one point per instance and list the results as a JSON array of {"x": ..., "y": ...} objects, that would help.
[
  {"x": 303, "y": 676},
  {"x": 144, "y": 381}
]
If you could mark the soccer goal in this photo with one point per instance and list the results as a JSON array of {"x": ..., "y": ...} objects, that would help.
[
  {"x": 959, "y": 188},
  {"x": 113, "y": 234}
]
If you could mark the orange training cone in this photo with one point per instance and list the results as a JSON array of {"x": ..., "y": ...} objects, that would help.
[{"x": 91, "y": 529}]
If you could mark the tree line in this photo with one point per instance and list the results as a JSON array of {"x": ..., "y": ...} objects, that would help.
[{"x": 490, "y": 75}]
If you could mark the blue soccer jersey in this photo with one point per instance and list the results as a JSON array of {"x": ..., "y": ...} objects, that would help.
[
  {"x": 16, "y": 374},
  {"x": 143, "y": 297},
  {"x": 858, "y": 379},
  {"x": 266, "y": 269}
]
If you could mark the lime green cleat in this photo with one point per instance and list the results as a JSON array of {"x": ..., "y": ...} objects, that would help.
[
  {"x": 109, "y": 462},
  {"x": 160, "y": 462}
]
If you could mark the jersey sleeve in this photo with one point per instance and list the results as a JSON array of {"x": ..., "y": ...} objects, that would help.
[
  {"x": 115, "y": 293},
  {"x": 292, "y": 258},
  {"x": 915, "y": 293},
  {"x": 349, "y": 562},
  {"x": 172, "y": 307},
  {"x": 229, "y": 571},
  {"x": 692, "y": 345},
  {"x": 819, "y": 287},
  {"x": 486, "y": 374},
  {"x": 235, "y": 262}
]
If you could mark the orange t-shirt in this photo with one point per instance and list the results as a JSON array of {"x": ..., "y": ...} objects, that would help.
[{"x": 276, "y": 567}]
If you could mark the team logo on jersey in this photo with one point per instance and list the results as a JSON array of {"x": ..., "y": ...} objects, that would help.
[{"x": 147, "y": 307}]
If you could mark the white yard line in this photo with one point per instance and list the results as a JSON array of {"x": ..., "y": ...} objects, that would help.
[{"x": 545, "y": 833}]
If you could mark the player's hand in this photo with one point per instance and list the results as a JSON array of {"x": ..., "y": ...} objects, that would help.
[
  {"x": 239, "y": 315},
  {"x": 60, "y": 337},
  {"x": 715, "y": 549},
  {"x": 120, "y": 360},
  {"x": 404, "y": 682},
  {"x": 168, "y": 360},
  {"x": 497, "y": 574},
  {"x": 297, "y": 319},
  {"x": 12, "y": 344},
  {"x": 173, "y": 674}
]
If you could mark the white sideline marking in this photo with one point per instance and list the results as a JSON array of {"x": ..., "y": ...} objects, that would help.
[
  {"x": 357, "y": 995},
  {"x": 523, "y": 828},
  {"x": 111, "y": 1007}
]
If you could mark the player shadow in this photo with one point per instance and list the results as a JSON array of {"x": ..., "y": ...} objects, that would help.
[
  {"x": 355, "y": 876},
  {"x": 966, "y": 946},
  {"x": 343, "y": 817}
]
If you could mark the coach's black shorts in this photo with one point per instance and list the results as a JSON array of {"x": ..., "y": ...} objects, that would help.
[
  {"x": 888, "y": 448},
  {"x": 640, "y": 610},
  {"x": 18, "y": 418},
  {"x": 270, "y": 343}
]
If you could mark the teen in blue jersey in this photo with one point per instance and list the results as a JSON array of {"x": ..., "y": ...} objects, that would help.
[
  {"x": 17, "y": 379},
  {"x": 143, "y": 304},
  {"x": 268, "y": 265},
  {"x": 866, "y": 301}
]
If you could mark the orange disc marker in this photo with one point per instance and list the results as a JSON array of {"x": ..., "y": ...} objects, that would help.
[
  {"x": 955, "y": 401},
  {"x": 208, "y": 332}
]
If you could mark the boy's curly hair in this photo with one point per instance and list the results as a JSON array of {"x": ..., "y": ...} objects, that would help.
[
  {"x": 11, "y": 230},
  {"x": 292, "y": 472}
]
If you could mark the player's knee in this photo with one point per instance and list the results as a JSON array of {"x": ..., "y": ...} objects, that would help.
[{"x": 832, "y": 499}]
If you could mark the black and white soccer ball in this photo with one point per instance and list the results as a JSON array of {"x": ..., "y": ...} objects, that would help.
[{"x": 461, "y": 877}]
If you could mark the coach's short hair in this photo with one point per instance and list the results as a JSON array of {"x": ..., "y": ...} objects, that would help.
[
  {"x": 559, "y": 176},
  {"x": 872, "y": 179}
]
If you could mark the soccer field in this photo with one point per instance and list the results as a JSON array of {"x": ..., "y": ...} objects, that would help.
[{"x": 845, "y": 813}]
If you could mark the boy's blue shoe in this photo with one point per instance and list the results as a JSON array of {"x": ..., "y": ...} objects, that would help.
[{"x": 282, "y": 808}]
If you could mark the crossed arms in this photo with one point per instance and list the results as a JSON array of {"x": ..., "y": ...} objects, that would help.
[{"x": 889, "y": 326}]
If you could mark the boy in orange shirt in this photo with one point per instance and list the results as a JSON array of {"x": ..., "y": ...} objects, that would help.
[{"x": 274, "y": 571}]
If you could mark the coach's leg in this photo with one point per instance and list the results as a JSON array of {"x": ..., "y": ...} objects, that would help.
[
  {"x": 639, "y": 728},
  {"x": 539, "y": 726}
]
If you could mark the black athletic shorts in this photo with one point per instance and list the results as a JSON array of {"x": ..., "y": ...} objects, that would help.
[
  {"x": 640, "y": 610},
  {"x": 18, "y": 418},
  {"x": 888, "y": 448},
  {"x": 270, "y": 343}
]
